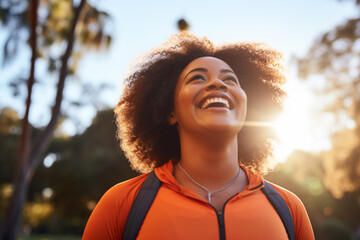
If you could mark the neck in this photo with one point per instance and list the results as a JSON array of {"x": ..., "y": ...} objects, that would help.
[{"x": 212, "y": 161}]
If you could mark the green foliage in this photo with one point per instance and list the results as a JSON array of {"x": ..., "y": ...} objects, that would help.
[
  {"x": 90, "y": 32},
  {"x": 9, "y": 121},
  {"x": 335, "y": 58},
  {"x": 54, "y": 23},
  {"x": 183, "y": 25},
  {"x": 9, "y": 134},
  {"x": 87, "y": 166},
  {"x": 302, "y": 174},
  {"x": 56, "y": 27},
  {"x": 53, "y": 27},
  {"x": 13, "y": 13}
]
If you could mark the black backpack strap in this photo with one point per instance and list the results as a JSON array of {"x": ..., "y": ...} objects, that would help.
[
  {"x": 141, "y": 206},
  {"x": 281, "y": 208}
]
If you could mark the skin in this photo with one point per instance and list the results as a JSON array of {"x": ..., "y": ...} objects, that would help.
[{"x": 208, "y": 136}]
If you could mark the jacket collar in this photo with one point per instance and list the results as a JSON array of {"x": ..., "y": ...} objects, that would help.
[{"x": 165, "y": 174}]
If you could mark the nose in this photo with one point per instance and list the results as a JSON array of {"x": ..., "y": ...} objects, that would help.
[{"x": 216, "y": 84}]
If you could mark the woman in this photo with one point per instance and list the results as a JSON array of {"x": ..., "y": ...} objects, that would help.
[{"x": 183, "y": 114}]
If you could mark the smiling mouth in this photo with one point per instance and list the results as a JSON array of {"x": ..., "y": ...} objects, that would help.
[{"x": 216, "y": 102}]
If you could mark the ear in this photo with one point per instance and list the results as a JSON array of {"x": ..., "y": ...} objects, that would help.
[{"x": 172, "y": 119}]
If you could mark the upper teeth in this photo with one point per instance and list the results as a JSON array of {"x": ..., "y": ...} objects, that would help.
[{"x": 215, "y": 100}]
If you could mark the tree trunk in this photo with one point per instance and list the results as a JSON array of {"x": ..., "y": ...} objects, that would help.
[
  {"x": 20, "y": 182},
  {"x": 29, "y": 159},
  {"x": 15, "y": 208}
]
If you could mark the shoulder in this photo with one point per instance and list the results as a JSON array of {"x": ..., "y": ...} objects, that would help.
[
  {"x": 125, "y": 190},
  {"x": 293, "y": 202},
  {"x": 121, "y": 196},
  {"x": 289, "y": 197},
  {"x": 303, "y": 228},
  {"x": 108, "y": 218}
]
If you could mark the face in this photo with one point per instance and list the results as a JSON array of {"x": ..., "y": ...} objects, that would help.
[{"x": 208, "y": 97}]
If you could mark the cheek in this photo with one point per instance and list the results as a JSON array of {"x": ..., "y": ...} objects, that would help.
[
  {"x": 186, "y": 96},
  {"x": 242, "y": 100},
  {"x": 241, "y": 97},
  {"x": 182, "y": 101},
  {"x": 244, "y": 96}
]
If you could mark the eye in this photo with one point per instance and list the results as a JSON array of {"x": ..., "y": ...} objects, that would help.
[
  {"x": 196, "y": 77},
  {"x": 231, "y": 79}
]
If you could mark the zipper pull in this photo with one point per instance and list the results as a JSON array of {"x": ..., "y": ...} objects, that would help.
[{"x": 221, "y": 219}]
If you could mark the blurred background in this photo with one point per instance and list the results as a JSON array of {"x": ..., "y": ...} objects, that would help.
[{"x": 62, "y": 64}]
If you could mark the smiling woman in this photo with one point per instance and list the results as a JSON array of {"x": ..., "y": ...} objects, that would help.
[
  {"x": 258, "y": 69},
  {"x": 182, "y": 115}
]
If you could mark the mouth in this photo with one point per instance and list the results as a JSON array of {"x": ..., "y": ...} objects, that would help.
[{"x": 216, "y": 102}]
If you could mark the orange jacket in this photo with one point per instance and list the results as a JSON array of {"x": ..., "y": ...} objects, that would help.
[{"x": 179, "y": 213}]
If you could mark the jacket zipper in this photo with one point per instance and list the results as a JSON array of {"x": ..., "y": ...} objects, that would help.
[
  {"x": 220, "y": 218},
  {"x": 220, "y": 215},
  {"x": 221, "y": 225}
]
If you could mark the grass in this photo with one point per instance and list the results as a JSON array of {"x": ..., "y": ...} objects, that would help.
[{"x": 51, "y": 237}]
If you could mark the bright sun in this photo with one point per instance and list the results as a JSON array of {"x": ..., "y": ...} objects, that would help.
[{"x": 298, "y": 127}]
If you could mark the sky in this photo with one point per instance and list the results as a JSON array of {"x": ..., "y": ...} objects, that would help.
[{"x": 137, "y": 26}]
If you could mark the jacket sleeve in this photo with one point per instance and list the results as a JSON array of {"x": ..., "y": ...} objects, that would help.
[
  {"x": 302, "y": 224},
  {"x": 107, "y": 221},
  {"x": 303, "y": 228}
]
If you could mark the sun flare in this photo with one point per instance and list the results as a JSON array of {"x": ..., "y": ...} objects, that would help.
[{"x": 298, "y": 127}]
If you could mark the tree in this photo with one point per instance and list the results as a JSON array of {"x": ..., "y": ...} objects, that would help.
[
  {"x": 302, "y": 174},
  {"x": 10, "y": 128},
  {"x": 87, "y": 166},
  {"x": 183, "y": 25},
  {"x": 30, "y": 152},
  {"x": 21, "y": 182},
  {"x": 336, "y": 57}
]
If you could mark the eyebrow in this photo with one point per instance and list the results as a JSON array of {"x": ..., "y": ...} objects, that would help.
[
  {"x": 196, "y": 70},
  {"x": 205, "y": 70},
  {"x": 226, "y": 71}
]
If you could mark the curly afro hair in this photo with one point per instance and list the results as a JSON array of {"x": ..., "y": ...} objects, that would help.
[{"x": 147, "y": 138}]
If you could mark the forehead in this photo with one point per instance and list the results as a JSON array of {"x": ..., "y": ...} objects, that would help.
[{"x": 210, "y": 63}]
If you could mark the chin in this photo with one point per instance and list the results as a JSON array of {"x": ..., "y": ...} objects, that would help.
[{"x": 223, "y": 127}]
